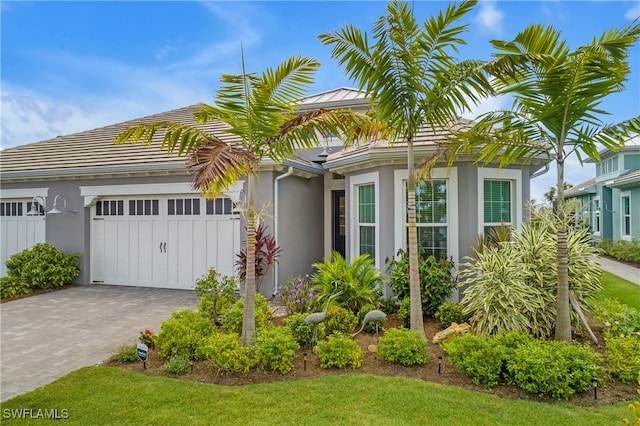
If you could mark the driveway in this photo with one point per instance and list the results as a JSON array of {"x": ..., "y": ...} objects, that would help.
[{"x": 47, "y": 336}]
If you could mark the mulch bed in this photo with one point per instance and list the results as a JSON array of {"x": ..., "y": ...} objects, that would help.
[{"x": 204, "y": 371}]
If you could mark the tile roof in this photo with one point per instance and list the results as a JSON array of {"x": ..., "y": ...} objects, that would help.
[
  {"x": 631, "y": 178},
  {"x": 587, "y": 187},
  {"x": 95, "y": 148}
]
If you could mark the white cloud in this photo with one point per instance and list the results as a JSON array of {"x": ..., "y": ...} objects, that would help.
[
  {"x": 633, "y": 12},
  {"x": 490, "y": 17}
]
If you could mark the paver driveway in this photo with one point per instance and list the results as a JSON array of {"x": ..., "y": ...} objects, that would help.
[{"x": 47, "y": 336}]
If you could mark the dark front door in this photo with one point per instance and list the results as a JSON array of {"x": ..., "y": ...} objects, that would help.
[{"x": 339, "y": 225}]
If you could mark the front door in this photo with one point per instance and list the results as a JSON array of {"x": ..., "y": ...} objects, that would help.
[{"x": 339, "y": 225}]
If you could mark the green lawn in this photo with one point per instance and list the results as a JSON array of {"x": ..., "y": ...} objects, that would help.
[
  {"x": 620, "y": 289},
  {"x": 107, "y": 395}
]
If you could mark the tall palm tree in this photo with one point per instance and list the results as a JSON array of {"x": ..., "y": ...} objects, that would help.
[
  {"x": 260, "y": 112},
  {"x": 556, "y": 113},
  {"x": 413, "y": 81}
]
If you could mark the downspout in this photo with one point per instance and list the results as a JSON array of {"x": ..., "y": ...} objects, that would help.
[{"x": 276, "y": 198}]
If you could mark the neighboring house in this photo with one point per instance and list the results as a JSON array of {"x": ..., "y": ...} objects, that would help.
[
  {"x": 610, "y": 202},
  {"x": 137, "y": 221}
]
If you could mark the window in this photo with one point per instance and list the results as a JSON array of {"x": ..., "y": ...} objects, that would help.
[
  {"x": 625, "y": 219},
  {"x": 367, "y": 220},
  {"x": 497, "y": 204},
  {"x": 607, "y": 166},
  {"x": 143, "y": 207},
  {"x": 183, "y": 207},
  {"x": 110, "y": 208},
  {"x": 11, "y": 208},
  {"x": 431, "y": 216},
  {"x": 220, "y": 206},
  {"x": 596, "y": 216}
]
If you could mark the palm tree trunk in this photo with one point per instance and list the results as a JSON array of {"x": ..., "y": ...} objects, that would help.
[
  {"x": 416, "y": 322},
  {"x": 249, "y": 308},
  {"x": 563, "y": 319}
]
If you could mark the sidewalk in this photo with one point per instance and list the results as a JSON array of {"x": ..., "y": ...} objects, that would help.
[{"x": 622, "y": 270}]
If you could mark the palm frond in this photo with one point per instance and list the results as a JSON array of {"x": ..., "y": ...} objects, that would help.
[
  {"x": 217, "y": 165},
  {"x": 175, "y": 136}
]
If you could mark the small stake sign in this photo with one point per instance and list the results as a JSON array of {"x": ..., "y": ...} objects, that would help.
[{"x": 143, "y": 353}]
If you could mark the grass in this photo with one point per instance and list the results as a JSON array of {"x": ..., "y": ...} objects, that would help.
[
  {"x": 620, "y": 289},
  {"x": 107, "y": 395}
]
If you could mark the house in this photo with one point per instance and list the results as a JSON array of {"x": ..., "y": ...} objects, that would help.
[
  {"x": 610, "y": 202},
  {"x": 132, "y": 213}
]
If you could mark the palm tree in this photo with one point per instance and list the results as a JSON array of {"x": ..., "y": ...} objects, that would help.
[
  {"x": 260, "y": 113},
  {"x": 413, "y": 81},
  {"x": 556, "y": 113}
]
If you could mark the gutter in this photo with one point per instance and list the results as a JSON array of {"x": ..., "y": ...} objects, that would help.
[
  {"x": 544, "y": 170},
  {"x": 276, "y": 198}
]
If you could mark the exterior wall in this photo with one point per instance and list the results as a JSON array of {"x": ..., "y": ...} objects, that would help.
[{"x": 301, "y": 231}]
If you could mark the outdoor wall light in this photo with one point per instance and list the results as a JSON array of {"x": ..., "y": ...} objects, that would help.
[
  {"x": 35, "y": 206},
  {"x": 57, "y": 210}
]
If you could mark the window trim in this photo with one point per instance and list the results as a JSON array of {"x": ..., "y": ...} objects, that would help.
[
  {"x": 626, "y": 237},
  {"x": 399, "y": 177},
  {"x": 515, "y": 176},
  {"x": 597, "y": 211},
  {"x": 354, "y": 232}
]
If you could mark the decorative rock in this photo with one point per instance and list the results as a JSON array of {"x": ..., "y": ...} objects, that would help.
[
  {"x": 372, "y": 348},
  {"x": 453, "y": 330}
]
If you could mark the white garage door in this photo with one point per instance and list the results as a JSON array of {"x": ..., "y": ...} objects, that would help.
[
  {"x": 18, "y": 231},
  {"x": 162, "y": 241}
]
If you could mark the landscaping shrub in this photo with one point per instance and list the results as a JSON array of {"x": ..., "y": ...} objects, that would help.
[
  {"x": 178, "y": 365},
  {"x": 126, "y": 354},
  {"x": 449, "y": 313},
  {"x": 339, "y": 351},
  {"x": 481, "y": 357},
  {"x": 227, "y": 353},
  {"x": 217, "y": 293},
  {"x": 44, "y": 266},
  {"x": 340, "y": 320},
  {"x": 512, "y": 286},
  {"x": 276, "y": 349},
  {"x": 267, "y": 253},
  {"x": 624, "y": 323},
  {"x": 436, "y": 281},
  {"x": 12, "y": 287},
  {"x": 402, "y": 346},
  {"x": 553, "y": 368},
  {"x": 628, "y": 251},
  {"x": 302, "y": 332},
  {"x": 296, "y": 295},
  {"x": 623, "y": 354},
  {"x": 359, "y": 282},
  {"x": 404, "y": 312},
  {"x": 183, "y": 333},
  {"x": 232, "y": 318}
]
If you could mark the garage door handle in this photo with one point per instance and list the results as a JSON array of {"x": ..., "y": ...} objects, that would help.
[
  {"x": 160, "y": 247},
  {"x": 164, "y": 246}
]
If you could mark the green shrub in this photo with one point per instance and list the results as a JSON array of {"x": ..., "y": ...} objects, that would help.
[
  {"x": 404, "y": 312},
  {"x": 629, "y": 251},
  {"x": 276, "y": 349},
  {"x": 296, "y": 295},
  {"x": 449, "y": 313},
  {"x": 302, "y": 332},
  {"x": 553, "y": 368},
  {"x": 178, "y": 365},
  {"x": 359, "y": 282},
  {"x": 624, "y": 358},
  {"x": 339, "y": 351},
  {"x": 402, "y": 346},
  {"x": 607, "y": 308},
  {"x": 44, "y": 266},
  {"x": 227, "y": 353},
  {"x": 232, "y": 318},
  {"x": 436, "y": 281},
  {"x": 340, "y": 320},
  {"x": 12, "y": 287},
  {"x": 183, "y": 333},
  {"x": 478, "y": 356},
  {"x": 217, "y": 293},
  {"x": 624, "y": 323},
  {"x": 126, "y": 354}
]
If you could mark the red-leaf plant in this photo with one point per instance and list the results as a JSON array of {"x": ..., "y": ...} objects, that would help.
[{"x": 267, "y": 254}]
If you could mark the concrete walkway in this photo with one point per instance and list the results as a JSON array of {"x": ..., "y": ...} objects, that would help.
[
  {"x": 47, "y": 336},
  {"x": 622, "y": 270}
]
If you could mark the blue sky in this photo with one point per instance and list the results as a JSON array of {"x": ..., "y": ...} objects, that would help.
[{"x": 73, "y": 66}]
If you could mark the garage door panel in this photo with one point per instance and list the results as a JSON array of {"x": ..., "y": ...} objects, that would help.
[{"x": 18, "y": 231}]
